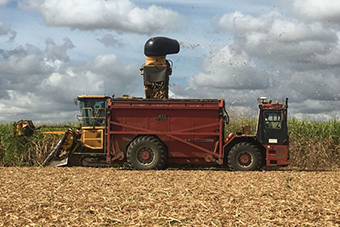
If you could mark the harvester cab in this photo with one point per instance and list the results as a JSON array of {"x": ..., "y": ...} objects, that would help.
[
  {"x": 272, "y": 122},
  {"x": 93, "y": 109}
]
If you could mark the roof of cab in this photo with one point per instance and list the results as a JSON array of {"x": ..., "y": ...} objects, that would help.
[{"x": 92, "y": 96}]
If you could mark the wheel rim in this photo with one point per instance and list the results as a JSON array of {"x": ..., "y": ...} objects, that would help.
[
  {"x": 245, "y": 159},
  {"x": 146, "y": 156}
]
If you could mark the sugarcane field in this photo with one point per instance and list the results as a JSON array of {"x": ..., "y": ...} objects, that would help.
[
  {"x": 306, "y": 193},
  {"x": 79, "y": 196}
]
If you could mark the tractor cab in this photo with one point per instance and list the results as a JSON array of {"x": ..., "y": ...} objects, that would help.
[
  {"x": 93, "y": 110},
  {"x": 272, "y": 123}
]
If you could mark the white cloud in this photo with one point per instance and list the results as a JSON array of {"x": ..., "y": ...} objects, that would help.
[
  {"x": 21, "y": 62},
  {"x": 319, "y": 10},
  {"x": 109, "y": 41},
  {"x": 228, "y": 69},
  {"x": 240, "y": 21},
  {"x": 5, "y": 30},
  {"x": 273, "y": 38},
  {"x": 3, "y": 2},
  {"x": 275, "y": 56},
  {"x": 316, "y": 85},
  {"x": 118, "y": 15},
  {"x": 54, "y": 52},
  {"x": 41, "y": 85}
]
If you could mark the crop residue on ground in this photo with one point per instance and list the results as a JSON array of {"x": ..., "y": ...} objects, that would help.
[{"x": 112, "y": 197}]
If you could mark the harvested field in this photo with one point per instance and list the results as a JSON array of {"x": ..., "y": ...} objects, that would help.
[{"x": 111, "y": 197}]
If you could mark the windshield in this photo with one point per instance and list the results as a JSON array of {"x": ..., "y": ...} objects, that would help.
[
  {"x": 93, "y": 112},
  {"x": 273, "y": 120}
]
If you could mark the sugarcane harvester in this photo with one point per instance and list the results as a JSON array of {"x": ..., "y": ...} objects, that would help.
[{"x": 147, "y": 133}]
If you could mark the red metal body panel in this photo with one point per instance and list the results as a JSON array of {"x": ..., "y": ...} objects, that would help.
[
  {"x": 277, "y": 155},
  {"x": 190, "y": 129},
  {"x": 272, "y": 106}
]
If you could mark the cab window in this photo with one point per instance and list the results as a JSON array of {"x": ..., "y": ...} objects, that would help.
[
  {"x": 273, "y": 119},
  {"x": 93, "y": 112}
]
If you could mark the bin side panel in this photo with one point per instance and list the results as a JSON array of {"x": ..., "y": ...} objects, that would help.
[{"x": 173, "y": 122}]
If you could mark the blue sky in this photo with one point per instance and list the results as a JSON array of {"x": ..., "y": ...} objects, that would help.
[{"x": 53, "y": 50}]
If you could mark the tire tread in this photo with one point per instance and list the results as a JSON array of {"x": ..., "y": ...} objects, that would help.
[
  {"x": 234, "y": 150},
  {"x": 146, "y": 139}
]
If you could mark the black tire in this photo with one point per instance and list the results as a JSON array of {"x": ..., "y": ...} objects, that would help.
[
  {"x": 244, "y": 157},
  {"x": 145, "y": 153}
]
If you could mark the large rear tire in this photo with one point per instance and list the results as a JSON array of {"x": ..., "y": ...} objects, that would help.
[
  {"x": 146, "y": 153},
  {"x": 244, "y": 157}
]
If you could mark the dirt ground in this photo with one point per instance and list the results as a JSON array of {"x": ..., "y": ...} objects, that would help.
[{"x": 35, "y": 196}]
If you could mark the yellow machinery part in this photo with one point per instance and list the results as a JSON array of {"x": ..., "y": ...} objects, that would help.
[
  {"x": 60, "y": 153},
  {"x": 23, "y": 128},
  {"x": 17, "y": 129},
  {"x": 52, "y": 132},
  {"x": 159, "y": 61},
  {"x": 92, "y": 138},
  {"x": 69, "y": 141}
]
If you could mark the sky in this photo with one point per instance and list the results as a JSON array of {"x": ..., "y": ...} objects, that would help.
[{"x": 51, "y": 51}]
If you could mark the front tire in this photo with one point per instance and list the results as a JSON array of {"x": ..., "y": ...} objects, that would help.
[
  {"x": 244, "y": 157},
  {"x": 146, "y": 153}
]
